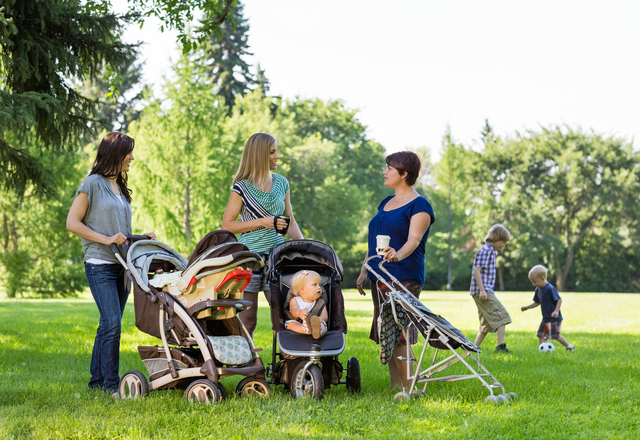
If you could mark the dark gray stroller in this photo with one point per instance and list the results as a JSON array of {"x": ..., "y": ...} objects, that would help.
[
  {"x": 305, "y": 365},
  {"x": 408, "y": 312}
]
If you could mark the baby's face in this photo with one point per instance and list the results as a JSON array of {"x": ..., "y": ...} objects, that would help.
[{"x": 311, "y": 290}]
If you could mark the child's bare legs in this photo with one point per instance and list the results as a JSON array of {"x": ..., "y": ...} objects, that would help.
[
  {"x": 398, "y": 367},
  {"x": 481, "y": 335},
  {"x": 479, "y": 338},
  {"x": 563, "y": 341},
  {"x": 298, "y": 327}
]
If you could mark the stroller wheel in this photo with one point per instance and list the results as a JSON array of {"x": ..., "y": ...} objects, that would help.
[
  {"x": 203, "y": 391},
  {"x": 253, "y": 386},
  {"x": 503, "y": 398},
  {"x": 311, "y": 385},
  {"x": 492, "y": 400},
  {"x": 418, "y": 394},
  {"x": 223, "y": 392},
  {"x": 402, "y": 395},
  {"x": 512, "y": 396},
  {"x": 353, "y": 375},
  {"x": 133, "y": 385}
]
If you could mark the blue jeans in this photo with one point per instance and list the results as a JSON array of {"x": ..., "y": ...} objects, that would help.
[{"x": 107, "y": 284}]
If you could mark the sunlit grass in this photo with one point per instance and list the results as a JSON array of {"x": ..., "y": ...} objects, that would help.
[{"x": 45, "y": 349}]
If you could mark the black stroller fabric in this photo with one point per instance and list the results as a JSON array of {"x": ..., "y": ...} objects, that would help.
[{"x": 408, "y": 308}]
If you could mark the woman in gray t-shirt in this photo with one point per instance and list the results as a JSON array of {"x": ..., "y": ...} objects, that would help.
[{"x": 101, "y": 215}]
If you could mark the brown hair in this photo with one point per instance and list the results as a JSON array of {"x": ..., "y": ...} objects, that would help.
[
  {"x": 497, "y": 233},
  {"x": 113, "y": 149},
  {"x": 254, "y": 165},
  {"x": 406, "y": 162}
]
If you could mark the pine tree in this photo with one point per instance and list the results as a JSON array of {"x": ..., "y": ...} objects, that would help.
[
  {"x": 45, "y": 44},
  {"x": 224, "y": 58}
]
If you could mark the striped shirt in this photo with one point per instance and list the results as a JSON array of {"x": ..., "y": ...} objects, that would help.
[
  {"x": 259, "y": 204},
  {"x": 486, "y": 259}
]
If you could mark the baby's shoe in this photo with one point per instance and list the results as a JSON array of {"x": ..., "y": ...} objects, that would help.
[{"x": 316, "y": 327}]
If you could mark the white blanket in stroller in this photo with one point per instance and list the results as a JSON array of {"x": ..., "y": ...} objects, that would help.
[{"x": 165, "y": 279}]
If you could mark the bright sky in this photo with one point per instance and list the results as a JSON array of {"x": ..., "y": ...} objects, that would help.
[{"x": 414, "y": 67}]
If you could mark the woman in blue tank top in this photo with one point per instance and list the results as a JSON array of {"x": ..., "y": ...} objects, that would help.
[
  {"x": 257, "y": 197},
  {"x": 406, "y": 218}
]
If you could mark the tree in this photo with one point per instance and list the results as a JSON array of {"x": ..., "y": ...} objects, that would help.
[
  {"x": 115, "y": 111},
  {"x": 557, "y": 189},
  {"x": 44, "y": 44},
  {"x": 224, "y": 59},
  {"x": 182, "y": 174}
]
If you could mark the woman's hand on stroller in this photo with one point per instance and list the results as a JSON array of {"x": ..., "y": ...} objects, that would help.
[
  {"x": 117, "y": 239},
  {"x": 390, "y": 254},
  {"x": 151, "y": 235}
]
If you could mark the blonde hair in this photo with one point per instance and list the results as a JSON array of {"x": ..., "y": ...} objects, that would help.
[
  {"x": 497, "y": 233},
  {"x": 254, "y": 165},
  {"x": 538, "y": 270},
  {"x": 298, "y": 280}
]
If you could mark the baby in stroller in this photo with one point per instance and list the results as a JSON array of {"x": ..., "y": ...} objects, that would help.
[{"x": 307, "y": 305}]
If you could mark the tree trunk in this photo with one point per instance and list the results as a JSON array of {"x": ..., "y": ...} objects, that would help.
[
  {"x": 449, "y": 251},
  {"x": 501, "y": 276},
  {"x": 187, "y": 208}
]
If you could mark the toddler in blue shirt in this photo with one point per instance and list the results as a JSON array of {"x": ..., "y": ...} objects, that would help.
[{"x": 548, "y": 298}]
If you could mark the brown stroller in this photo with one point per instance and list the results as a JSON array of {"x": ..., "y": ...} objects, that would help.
[{"x": 192, "y": 308}]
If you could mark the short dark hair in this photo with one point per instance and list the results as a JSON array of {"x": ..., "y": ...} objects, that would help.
[{"x": 406, "y": 162}]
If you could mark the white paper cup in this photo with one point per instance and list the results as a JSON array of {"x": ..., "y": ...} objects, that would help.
[{"x": 382, "y": 242}]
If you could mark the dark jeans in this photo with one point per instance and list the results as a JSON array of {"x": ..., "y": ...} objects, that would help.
[{"x": 107, "y": 284}]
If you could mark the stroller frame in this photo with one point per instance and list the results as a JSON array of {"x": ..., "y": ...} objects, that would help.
[{"x": 440, "y": 338}]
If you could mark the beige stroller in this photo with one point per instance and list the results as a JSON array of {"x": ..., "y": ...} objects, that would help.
[{"x": 192, "y": 308}]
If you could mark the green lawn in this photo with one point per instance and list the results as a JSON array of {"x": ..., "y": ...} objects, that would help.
[{"x": 594, "y": 393}]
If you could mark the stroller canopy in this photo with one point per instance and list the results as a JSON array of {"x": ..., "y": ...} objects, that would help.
[
  {"x": 313, "y": 250},
  {"x": 142, "y": 253}
]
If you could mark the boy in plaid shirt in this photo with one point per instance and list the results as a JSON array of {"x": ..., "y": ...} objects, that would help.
[{"x": 492, "y": 314}]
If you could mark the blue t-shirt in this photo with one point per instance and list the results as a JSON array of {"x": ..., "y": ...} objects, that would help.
[
  {"x": 547, "y": 297},
  {"x": 395, "y": 224}
]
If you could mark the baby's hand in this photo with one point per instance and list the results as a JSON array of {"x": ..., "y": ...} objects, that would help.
[
  {"x": 523, "y": 308},
  {"x": 554, "y": 314},
  {"x": 303, "y": 315}
]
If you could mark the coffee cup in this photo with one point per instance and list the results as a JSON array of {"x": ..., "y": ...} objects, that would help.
[
  {"x": 286, "y": 218},
  {"x": 382, "y": 242}
]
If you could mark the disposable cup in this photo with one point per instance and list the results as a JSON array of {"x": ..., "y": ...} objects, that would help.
[{"x": 382, "y": 243}]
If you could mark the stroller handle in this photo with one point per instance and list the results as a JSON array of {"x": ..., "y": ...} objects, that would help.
[{"x": 120, "y": 251}]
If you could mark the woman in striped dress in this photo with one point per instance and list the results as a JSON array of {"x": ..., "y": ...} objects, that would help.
[{"x": 258, "y": 196}]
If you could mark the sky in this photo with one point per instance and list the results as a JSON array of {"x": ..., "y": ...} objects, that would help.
[{"x": 414, "y": 68}]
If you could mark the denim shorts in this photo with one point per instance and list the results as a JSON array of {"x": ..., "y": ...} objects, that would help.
[{"x": 259, "y": 282}]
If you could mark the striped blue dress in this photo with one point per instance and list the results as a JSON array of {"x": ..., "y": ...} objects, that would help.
[{"x": 260, "y": 204}]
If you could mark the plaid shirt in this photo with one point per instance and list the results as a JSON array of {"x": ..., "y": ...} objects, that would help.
[{"x": 486, "y": 259}]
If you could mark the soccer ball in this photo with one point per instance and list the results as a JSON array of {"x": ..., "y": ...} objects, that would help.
[{"x": 546, "y": 347}]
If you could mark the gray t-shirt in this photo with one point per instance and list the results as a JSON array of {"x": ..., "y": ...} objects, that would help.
[{"x": 106, "y": 214}]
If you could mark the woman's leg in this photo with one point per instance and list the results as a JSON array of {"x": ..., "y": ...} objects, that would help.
[{"x": 107, "y": 286}]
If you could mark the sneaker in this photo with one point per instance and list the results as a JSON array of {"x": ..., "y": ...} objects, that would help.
[
  {"x": 502, "y": 348},
  {"x": 571, "y": 348}
]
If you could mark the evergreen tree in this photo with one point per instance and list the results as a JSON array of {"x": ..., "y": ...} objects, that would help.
[
  {"x": 115, "y": 111},
  {"x": 224, "y": 59},
  {"x": 44, "y": 44}
]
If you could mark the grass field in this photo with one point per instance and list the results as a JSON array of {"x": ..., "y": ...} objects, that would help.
[{"x": 594, "y": 393}]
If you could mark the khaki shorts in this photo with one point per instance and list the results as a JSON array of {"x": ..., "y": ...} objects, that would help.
[{"x": 491, "y": 313}]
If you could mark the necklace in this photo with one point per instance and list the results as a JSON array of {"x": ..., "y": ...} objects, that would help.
[{"x": 402, "y": 199}]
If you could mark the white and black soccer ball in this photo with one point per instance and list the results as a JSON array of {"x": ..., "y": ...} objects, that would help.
[{"x": 546, "y": 347}]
